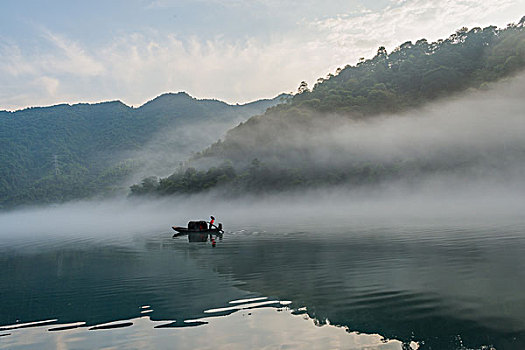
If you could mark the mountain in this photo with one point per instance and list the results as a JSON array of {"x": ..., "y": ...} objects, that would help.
[
  {"x": 315, "y": 138},
  {"x": 64, "y": 152}
]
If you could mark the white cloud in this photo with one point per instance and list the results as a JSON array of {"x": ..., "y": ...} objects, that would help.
[
  {"x": 50, "y": 85},
  {"x": 70, "y": 57},
  {"x": 405, "y": 20},
  {"x": 233, "y": 71},
  {"x": 135, "y": 67},
  {"x": 13, "y": 62}
]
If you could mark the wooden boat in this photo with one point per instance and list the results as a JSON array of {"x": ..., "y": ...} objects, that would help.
[{"x": 198, "y": 231}]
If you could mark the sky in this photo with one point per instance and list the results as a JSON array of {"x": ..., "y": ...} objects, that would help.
[{"x": 70, "y": 51}]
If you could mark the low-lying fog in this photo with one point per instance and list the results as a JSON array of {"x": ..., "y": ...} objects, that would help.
[
  {"x": 486, "y": 126},
  {"x": 121, "y": 219},
  {"x": 171, "y": 147},
  {"x": 479, "y": 134}
]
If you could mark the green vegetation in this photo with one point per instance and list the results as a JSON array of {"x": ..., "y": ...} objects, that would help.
[
  {"x": 415, "y": 73},
  {"x": 410, "y": 76},
  {"x": 256, "y": 178},
  {"x": 96, "y": 145},
  {"x": 65, "y": 152}
]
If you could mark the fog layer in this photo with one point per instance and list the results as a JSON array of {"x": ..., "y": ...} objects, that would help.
[
  {"x": 119, "y": 221},
  {"x": 477, "y": 135},
  {"x": 477, "y": 141}
]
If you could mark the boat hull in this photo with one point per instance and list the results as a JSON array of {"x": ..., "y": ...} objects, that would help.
[
  {"x": 184, "y": 230},
  {"x": 196, "y": 235}
]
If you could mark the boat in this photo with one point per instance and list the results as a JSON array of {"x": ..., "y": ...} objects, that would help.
[{"x": 198, "y": 231}]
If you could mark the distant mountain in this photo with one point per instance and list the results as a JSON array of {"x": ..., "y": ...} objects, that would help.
[
  {"x": 64, "y": 152},
  {"x": 306, "y": 141},
  {"x": 186, "y": 106}
]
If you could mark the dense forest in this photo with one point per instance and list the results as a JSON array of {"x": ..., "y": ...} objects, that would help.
[
  {"x": 64, "y": 152},
  {"x": 262, "y": 155}
]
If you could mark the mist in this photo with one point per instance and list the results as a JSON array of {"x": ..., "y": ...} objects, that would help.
[
  {"x": 171, "y": 148},
  {"x": 461, "y": 141},
  {"x": 119, "y": 221},
  {"x": 477, "y": 140}
]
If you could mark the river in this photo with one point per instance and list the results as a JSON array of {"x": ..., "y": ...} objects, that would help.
[{"x": 353, "y": 284}]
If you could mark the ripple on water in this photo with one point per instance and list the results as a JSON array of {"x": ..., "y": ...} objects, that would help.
[{"x": 407, "y": 282}]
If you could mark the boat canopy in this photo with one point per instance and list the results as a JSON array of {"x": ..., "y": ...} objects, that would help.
[{"x": 197, "y": 225}]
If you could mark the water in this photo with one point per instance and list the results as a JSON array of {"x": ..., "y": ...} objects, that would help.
[{"x": 358, "y": 285}]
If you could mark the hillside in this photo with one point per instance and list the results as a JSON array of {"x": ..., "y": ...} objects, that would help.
[
  {"x": 63, "y": 152},
  {"x": 315, "y": 138}
]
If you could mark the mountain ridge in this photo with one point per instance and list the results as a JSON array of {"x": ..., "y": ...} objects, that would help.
[
  {"x": 91, "y": 141},
  {"x": 153, "y": 100},
  {"x": 271, "y": 152}
]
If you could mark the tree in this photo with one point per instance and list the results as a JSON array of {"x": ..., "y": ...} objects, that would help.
[
  {"x": 303, "y": 87},
  {"x": 381, "y": 51}
]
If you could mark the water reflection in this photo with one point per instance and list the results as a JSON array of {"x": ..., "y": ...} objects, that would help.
[
  {"x": 274, "y": 328},
  {"x": 448, "y": 287},
  {"x": 99, "y": 284}
]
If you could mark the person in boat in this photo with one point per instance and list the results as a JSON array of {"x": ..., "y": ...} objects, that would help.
[{"x": 212, "y": 220}]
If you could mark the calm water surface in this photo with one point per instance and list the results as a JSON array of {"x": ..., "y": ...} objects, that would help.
[{"x": 431, "y": 285}]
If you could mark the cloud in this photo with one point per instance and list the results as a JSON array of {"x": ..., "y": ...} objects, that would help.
[
  {"x": 35, "y": 76},
  {"x": 50, "y": 85},
  {"x": 405, "y": 20},
  {"x": 13, "y": 61},
  {"x": 135, "y": 66},
  {"x": 70, "y": 58}
]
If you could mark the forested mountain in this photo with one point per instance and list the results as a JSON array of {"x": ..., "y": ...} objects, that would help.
[
  {"x": 288, "y": 146},
  {"x": 63, "y": 152}
]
